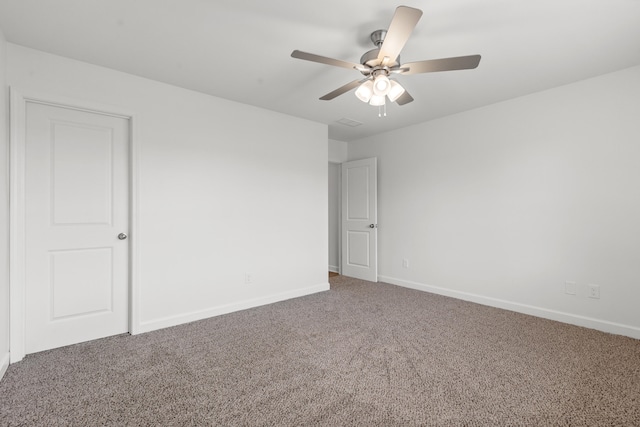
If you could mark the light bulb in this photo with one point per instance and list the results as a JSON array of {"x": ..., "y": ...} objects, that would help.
[
  {"x": 396, "y": 91},
  {"x": 377, "y": 100},
  {"x": 381, "y": 85},
  {"x": 365, "y": 91}
]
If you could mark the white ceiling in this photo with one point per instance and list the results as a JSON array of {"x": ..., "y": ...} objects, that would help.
[{"x": 240, "y": 49}]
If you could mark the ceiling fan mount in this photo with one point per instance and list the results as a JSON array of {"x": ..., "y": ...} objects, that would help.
[
  {"x": 377, "y": 37},
  {"x": 379, "y": 63}
]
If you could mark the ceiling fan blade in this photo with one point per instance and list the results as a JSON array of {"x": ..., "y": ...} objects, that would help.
[
  {"x": 405, "y": 98},
  {"x": 444, "y": 64},
  {"x": 343, "y": 89},
  {"x": 401, "y": 27},
  {"x": 324, "y": 60}
]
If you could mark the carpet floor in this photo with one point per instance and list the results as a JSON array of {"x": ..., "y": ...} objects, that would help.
[{"x": 361, "y": 354}]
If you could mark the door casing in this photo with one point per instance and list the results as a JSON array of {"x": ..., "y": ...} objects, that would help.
[{"x": 17, "y": 308}]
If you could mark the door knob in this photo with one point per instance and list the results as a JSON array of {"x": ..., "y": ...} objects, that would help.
[
  {"x": 122, "y": 236},
  {"x": 372, "y": 226}
]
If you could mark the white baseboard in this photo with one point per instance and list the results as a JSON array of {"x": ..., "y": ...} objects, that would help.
[
  {"x": 334, "y": 269},
  {"x": 193, "y": 316},
  {"x": 4, "y": 364},
  {"x": 573, "y": 319}
]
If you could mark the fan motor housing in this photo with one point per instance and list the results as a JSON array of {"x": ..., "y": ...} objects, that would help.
[{"x": 370, "y": 58}]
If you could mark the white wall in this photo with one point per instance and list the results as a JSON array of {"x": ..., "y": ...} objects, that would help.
[
  {"x": 335, "y": 172},
  {"x": 4, "y": 213},
  {"x": 503, "y": 204},
  {"x": 337, "y": 151},
  {"x": 224, "y": 189}
]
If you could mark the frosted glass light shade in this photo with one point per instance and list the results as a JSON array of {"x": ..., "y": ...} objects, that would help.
[
  {"x": 381, "y": 85},
  {"x": 395, "y": 91},
  {"x": 377, "y": 100},
  {"x": 365, "y": 91}
]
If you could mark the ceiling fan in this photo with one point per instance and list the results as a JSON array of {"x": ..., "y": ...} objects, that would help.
[{"x": 378, "y": 64}]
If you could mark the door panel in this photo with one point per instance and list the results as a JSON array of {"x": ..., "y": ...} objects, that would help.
[
  {"x": 358, "y": 191},
  {"x": 359, "y": 219},
  {"x": 80, "y": 282},
  {"x": 76, "y": 204},
  {"x": 82, "y": 168},
  {"x": 358, "y": 243}
]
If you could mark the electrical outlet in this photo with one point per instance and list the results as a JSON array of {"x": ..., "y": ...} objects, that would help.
[
  {"x": 405, "y": 263},
  {"x": 594, "y": 291},
  {"x": 570, "y": 288},
  {"x": 248, "y": 278}
]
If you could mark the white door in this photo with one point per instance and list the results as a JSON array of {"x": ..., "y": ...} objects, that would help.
[
  {"x": 360, "y": 220},
  {"x": 76, "y": 205}
]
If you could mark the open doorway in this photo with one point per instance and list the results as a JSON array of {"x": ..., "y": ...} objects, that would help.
[{"x": 334, "y": 175}]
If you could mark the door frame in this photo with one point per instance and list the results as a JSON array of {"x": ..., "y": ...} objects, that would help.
[{"x": 17, "y": 127}]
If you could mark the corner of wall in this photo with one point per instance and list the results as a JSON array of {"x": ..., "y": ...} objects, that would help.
[{"x": 337, "y": 151}]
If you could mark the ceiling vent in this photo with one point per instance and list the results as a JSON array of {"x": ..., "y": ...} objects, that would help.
[{"x": 349, "y": 122}]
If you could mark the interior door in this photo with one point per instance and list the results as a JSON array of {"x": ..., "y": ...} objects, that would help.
[
  {"x": 360, "y": 219},
  {"x": 76, "y": 206}
]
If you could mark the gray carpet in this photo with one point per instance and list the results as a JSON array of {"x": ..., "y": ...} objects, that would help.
[{"x": 360, "y": 354}]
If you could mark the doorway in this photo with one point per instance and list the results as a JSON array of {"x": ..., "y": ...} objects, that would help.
[
  {"x": 334, "y": 203},
  {"x": 70, "y": 252},
  {"x": 359, "y": 219}
]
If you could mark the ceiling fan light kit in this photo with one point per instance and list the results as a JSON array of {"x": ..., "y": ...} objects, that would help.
[
  {"x": 396, "y": 91},
  {"x": 377, "y": 100},
  {"x": 365, "y": 91},
  {"x": 381, "y": 84},
  {"x": 377, "y": 64}
]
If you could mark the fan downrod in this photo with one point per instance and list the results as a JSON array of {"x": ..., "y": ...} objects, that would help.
[{"x": 377, "y": 37}]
